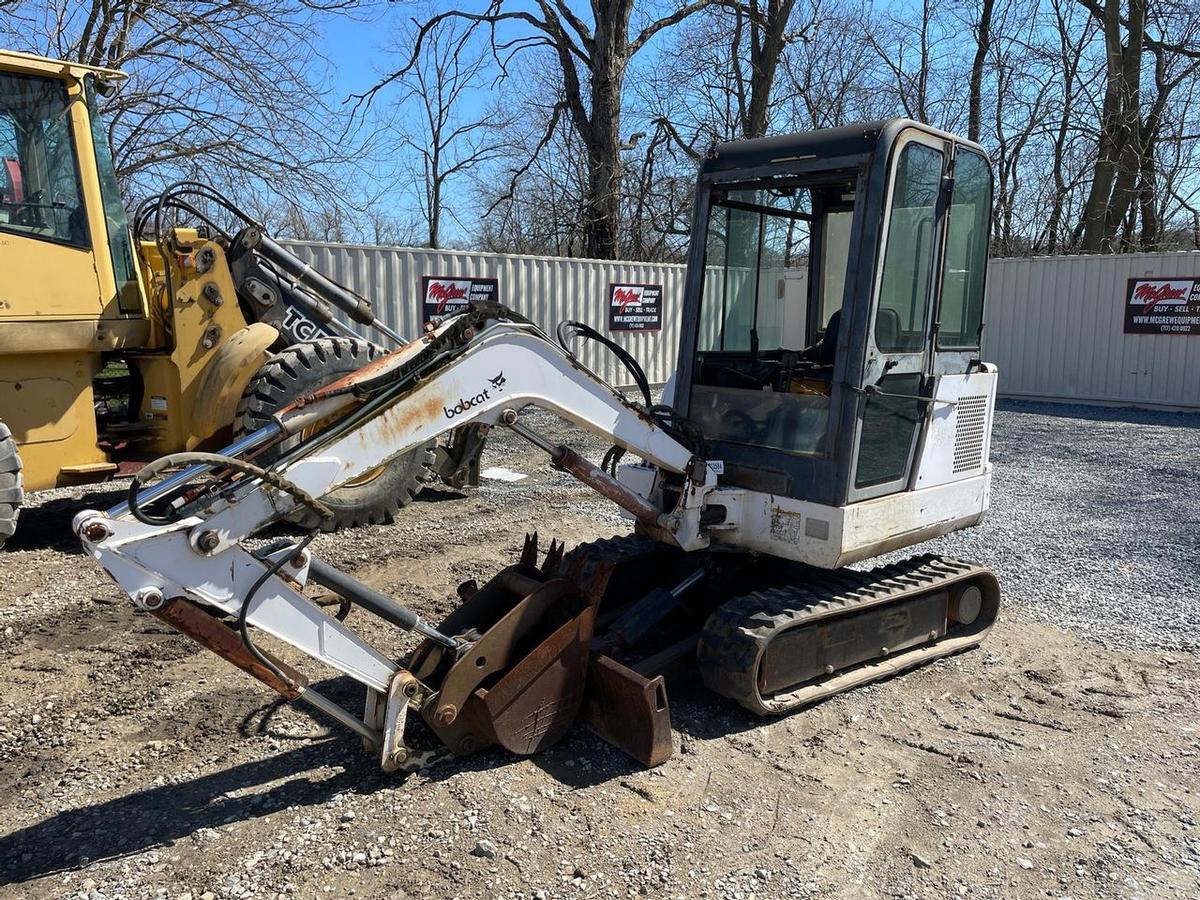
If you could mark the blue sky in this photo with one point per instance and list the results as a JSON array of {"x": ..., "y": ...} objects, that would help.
[
  {"x": 356, "y": 50},
  {"x": 360, "y": 51}
]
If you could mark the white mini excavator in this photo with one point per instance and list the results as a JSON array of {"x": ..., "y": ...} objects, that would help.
[{"x": 829, "y": 405}]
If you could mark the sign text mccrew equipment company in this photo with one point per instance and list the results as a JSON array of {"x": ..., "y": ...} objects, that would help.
[
  {"x": 1162, "y": 306},
  {"x": 634, "y": 307},
  {"x": 448, "y": 295}
]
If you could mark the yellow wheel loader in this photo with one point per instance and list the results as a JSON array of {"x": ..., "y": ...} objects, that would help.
[{"x": 118, "y": 345}]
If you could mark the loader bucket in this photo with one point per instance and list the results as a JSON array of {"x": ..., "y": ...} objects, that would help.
[
  {"x": 535, "y": 703},
  {"x": 535, "y": 665}
]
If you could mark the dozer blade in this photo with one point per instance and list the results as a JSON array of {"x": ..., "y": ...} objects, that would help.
[{"x": 628, "y": 710}]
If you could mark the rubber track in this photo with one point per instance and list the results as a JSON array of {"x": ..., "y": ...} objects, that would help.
[
  {"x": 584, "y": 562},
  {"x": 737, "y": 633}
]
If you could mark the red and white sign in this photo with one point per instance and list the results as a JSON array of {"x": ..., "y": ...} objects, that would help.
[
  {"x": 634, "y": 307},
  {"x": 444, "y": 296},
  {"x": 1162, "y": 306}
]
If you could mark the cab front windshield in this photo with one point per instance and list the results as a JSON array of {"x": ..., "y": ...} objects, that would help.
[
  {"x": 40, "y": 194},
  {"x": 774, "y": 274}
]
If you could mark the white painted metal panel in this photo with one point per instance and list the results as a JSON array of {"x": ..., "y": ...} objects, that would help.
[
  {"x": 547, "y": 290},
  {"x": 1055, "y": 328}
]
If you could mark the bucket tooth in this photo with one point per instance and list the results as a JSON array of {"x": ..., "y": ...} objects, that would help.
[
  {"x": 553, "y": 558},
  {"x": 529, "y": 551}
]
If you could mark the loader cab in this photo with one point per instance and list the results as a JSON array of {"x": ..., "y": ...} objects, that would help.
[
  {"x": 832, "y": 278},
  {"x": 63, "y": 229}
]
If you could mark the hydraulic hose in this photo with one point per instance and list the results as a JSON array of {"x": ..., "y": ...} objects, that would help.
[
  {"x": 216, "y": 460},
  {"x": 587, "y": 332}
]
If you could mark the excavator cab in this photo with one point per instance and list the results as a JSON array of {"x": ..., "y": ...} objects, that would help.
[{"x": 835, "y": 286}]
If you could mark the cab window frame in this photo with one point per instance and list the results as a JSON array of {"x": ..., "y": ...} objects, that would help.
[
  {"x": 941, "y": 344},
  {"x": 87, "y": 243}
]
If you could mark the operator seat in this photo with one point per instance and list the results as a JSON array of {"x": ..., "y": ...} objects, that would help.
[
  {"x": 887, "y": 329},
  {"x": 800, "y": 421},
  {"x": 825, "y": 350}
]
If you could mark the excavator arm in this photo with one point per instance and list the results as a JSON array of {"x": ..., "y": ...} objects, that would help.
[{"x": 187, "y": 564}]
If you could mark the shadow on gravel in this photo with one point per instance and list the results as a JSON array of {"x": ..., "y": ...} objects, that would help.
[
  {"x": 438, "y": 495},
  {"x": 1122, "y": 414},
  {"x": 163, "y": 815},
  {"x": 48, "y": 525},
  {"x": 579, "y": 760},
  {"x": 159, "y": 816}
]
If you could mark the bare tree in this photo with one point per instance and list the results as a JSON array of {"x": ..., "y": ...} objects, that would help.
[
  {"x": 657, "y": 204},
  {"x": 725, "y": 65},
  {"x": 767, "y": 28},
  {"x": 983, "y": 43},
  {"x": 545, "y": 211},
  {"x": 1129, "y": 128},
  {"x": 1066, "y": 59},
  {"x": 592, "y": 60},
  {"x": 1117, "y": 138},
  {"x": 444, "y": 138},
  {"x": 910, "y": 78},
  {"x": 829, "y": 76},
  {"x": 229, "y": 91}
]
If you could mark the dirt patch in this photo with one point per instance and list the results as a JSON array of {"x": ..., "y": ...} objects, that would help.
[{"x": 134, "y": 765}]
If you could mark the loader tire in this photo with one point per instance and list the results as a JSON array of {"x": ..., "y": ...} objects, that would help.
[
  {"x": 11, "y": 484},
  {"x": 302, "y": 369}
]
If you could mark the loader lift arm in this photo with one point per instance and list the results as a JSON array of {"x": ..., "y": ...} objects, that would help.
[{"x": 481, "y": 367}]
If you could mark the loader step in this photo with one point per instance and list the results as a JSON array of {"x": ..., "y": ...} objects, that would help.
[{"x": 781, "y": 648}]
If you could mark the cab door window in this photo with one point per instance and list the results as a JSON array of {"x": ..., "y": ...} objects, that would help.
[
  {"x": 892, "y": 414},
  {"x": 40, "y": 195},
  {"x": 120, "y": 240},
  {"x": 900, "y": 323},
  {"x": 966, "y": 253}
]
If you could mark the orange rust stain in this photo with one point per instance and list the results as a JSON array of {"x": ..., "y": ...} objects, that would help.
[
  {"x": 360, "y": 374},
  {"x": 372, "y": 368},
  {"x": 407, "y": 415},
  {"x": 364, "y": 372}
]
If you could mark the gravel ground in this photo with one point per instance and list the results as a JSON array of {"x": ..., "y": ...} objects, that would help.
[
  {"x": 1094, "y": 523},
  {"x": 1059, "y": 760}
]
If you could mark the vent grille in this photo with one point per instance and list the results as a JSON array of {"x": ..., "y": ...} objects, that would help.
[{"x": 969, "y": 431}]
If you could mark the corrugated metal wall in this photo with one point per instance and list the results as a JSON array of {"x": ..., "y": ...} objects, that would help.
[
  {"x": 544, "y": 289},
  {"x": 1055, "y": 329},
  {"x": 1054, "y": 324}
]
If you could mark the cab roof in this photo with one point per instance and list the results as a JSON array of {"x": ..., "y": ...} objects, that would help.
[
  {"x": 826, "y": 143},
  {"x": 842, "y": 147},
  {"x": 30, "y": 64}
]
